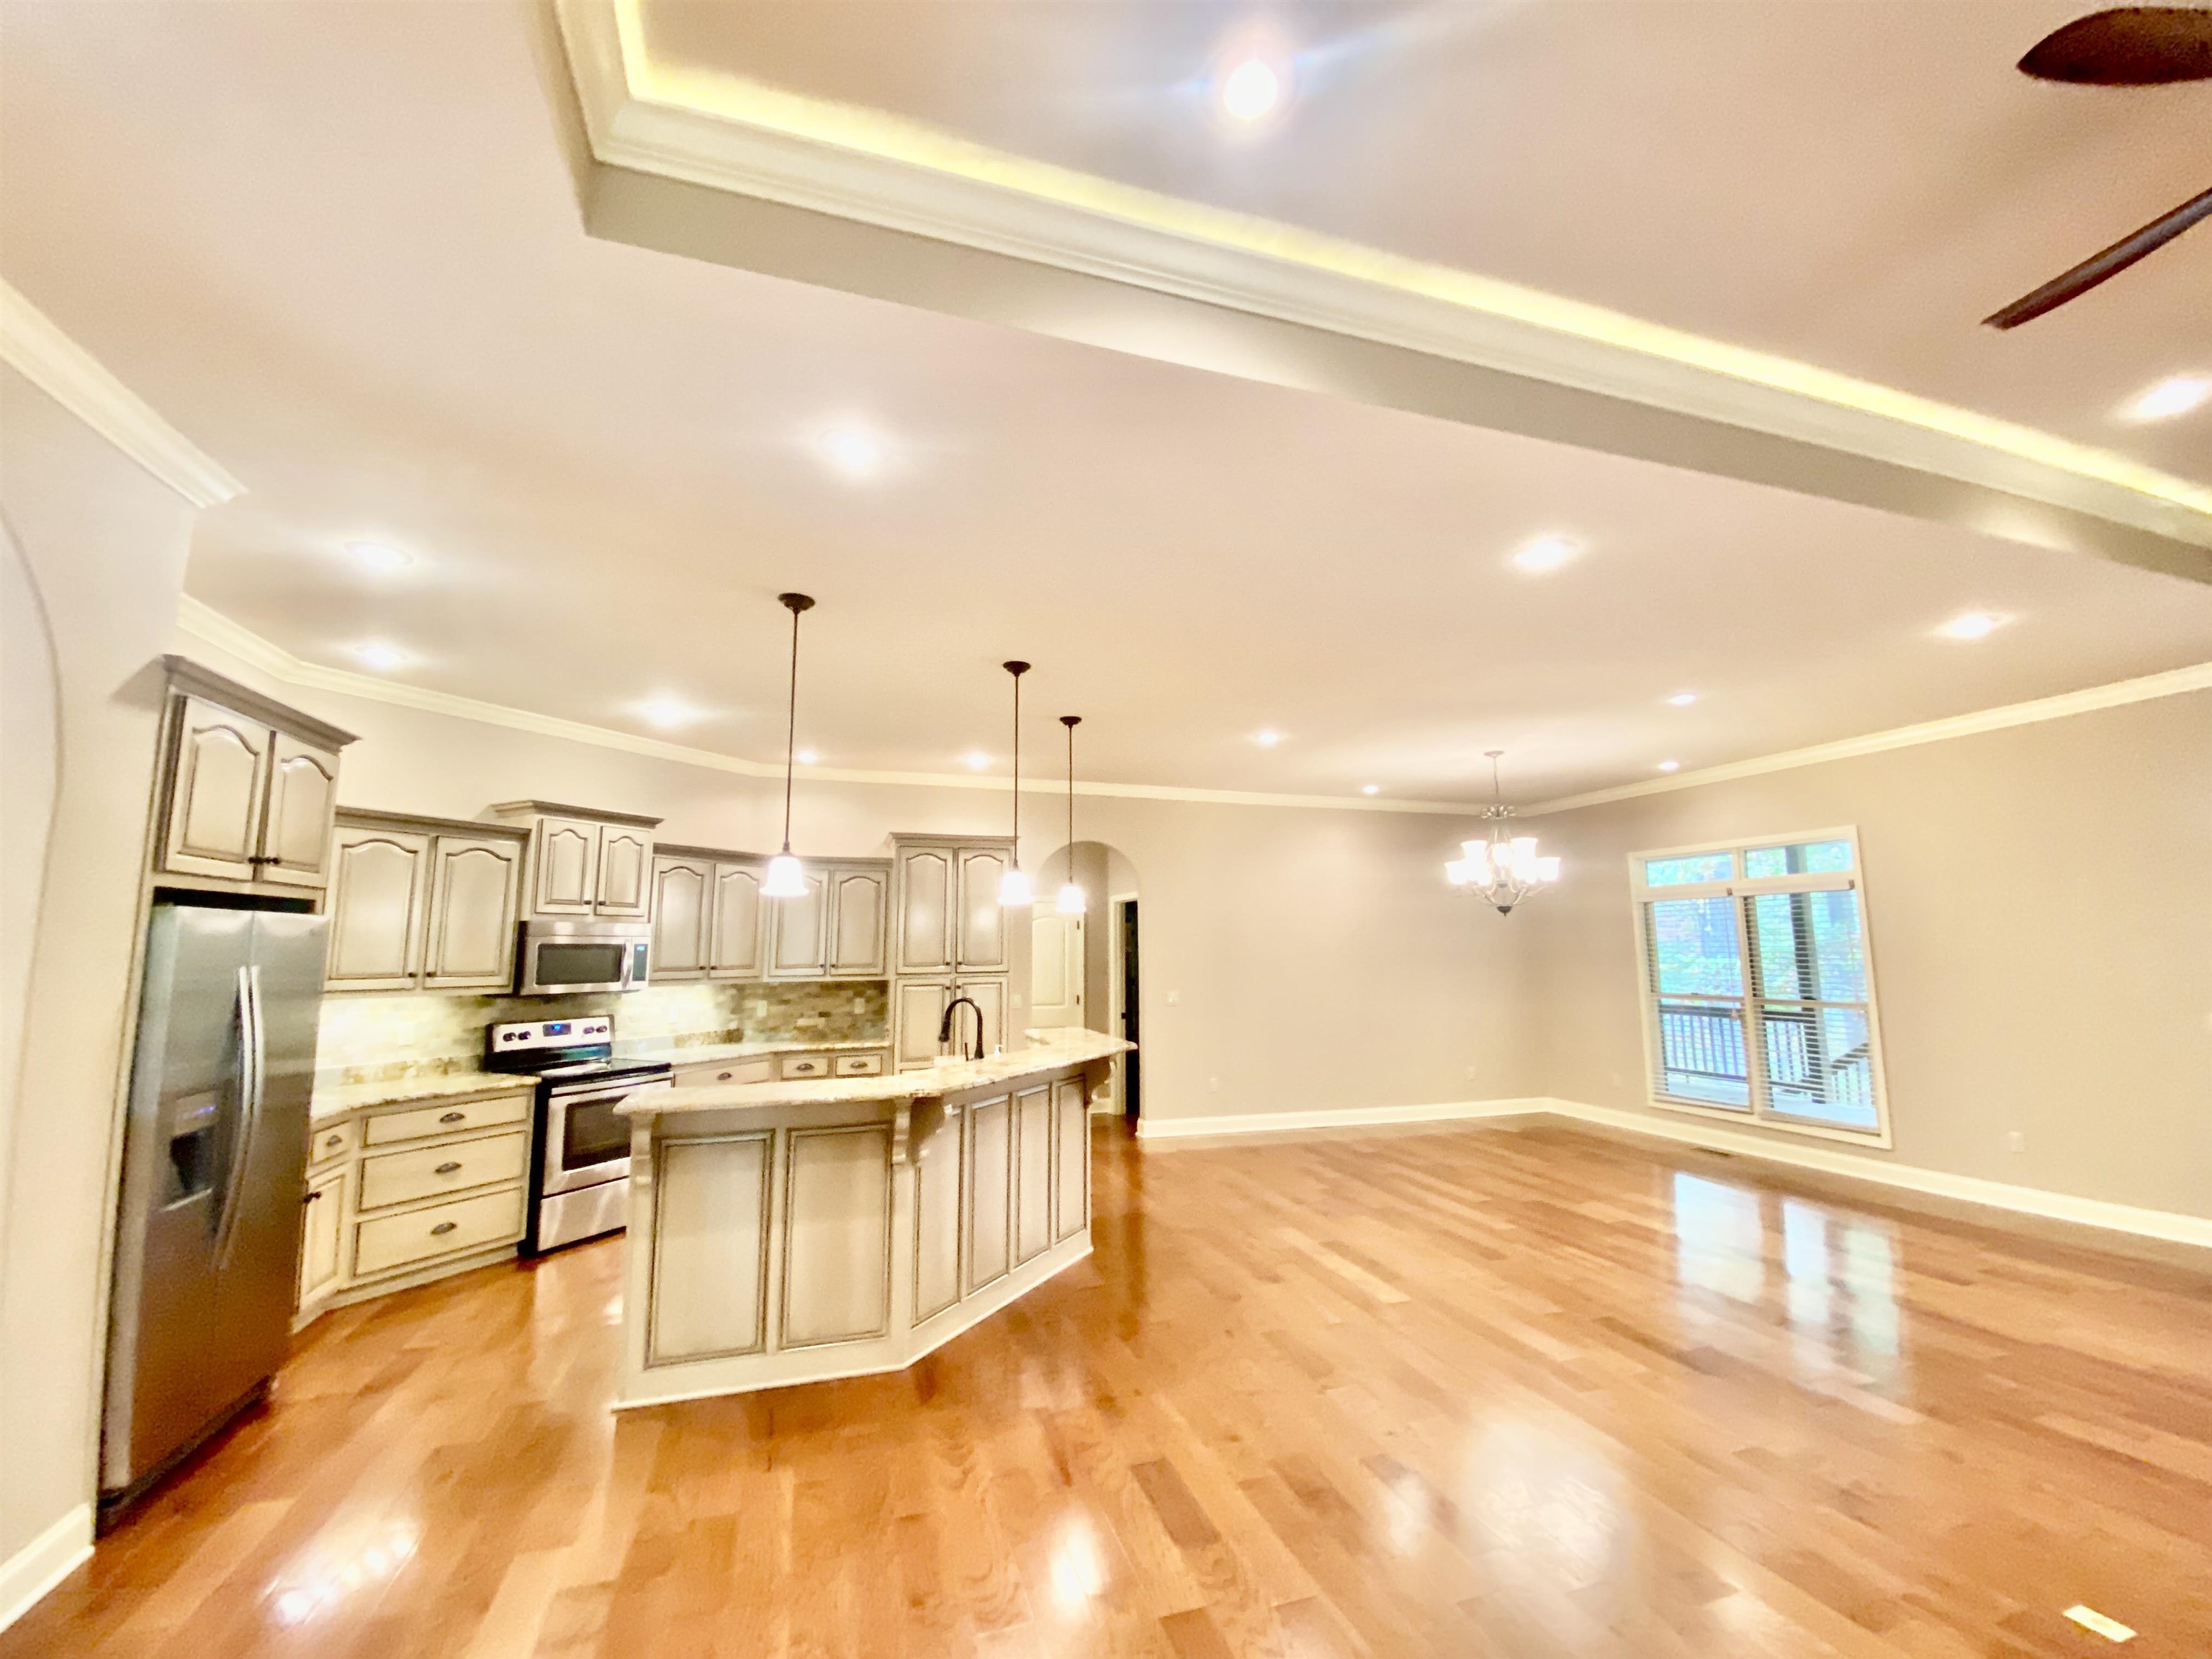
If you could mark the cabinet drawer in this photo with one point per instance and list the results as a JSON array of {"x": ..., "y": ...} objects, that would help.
[
  {"x": 452, "y": 1167},
  {"x": 859, "y": 1066},
  {"x": 762, "y": 1070},
  {"x": 466, "y": 1223},
  {"x": 806, "y": 1065},
  {"x": 331, "y": 1141},
  {"x": 446, "y": 1118}
]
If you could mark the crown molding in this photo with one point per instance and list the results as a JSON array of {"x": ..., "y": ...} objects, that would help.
[
  {"x": 75, "y": 379},
  {"x": 730, "y": 134},
  {"x": 2174, "y": 682},
  {"x": 203, "y": 621}
]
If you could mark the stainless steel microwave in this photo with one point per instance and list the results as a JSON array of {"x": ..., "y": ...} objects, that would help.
[{"x": 558, "y": 958}]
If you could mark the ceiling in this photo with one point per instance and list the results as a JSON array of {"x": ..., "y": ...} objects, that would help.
[{"x": 339, "y": 246}]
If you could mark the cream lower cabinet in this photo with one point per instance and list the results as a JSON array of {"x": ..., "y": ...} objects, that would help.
[
  {"x": 422, "y": 903},
  {"x": 409, "y": 1190},
  {"x": 918, "y": 1008}
]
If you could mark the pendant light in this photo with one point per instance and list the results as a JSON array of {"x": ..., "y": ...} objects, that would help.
[
  {"x": 1071, "y": 894},
  {"x": 1014, "y": 886},
  {"x": 1503, "y": 869},
  {"x": 785, "y": 877}
]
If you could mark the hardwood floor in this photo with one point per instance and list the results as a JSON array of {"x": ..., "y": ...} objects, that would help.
[{"x": 1481, "y": 1393}]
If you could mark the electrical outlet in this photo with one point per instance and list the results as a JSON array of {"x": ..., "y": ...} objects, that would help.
[
  {"x": 1174, "y": 997},
  {"x": 2015, "y": 1142},
  {"x": 1474, "y": 1071},
  {"x": 1214, "y": 1084}
]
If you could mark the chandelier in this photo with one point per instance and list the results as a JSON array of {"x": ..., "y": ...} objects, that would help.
[{"x": 1504, "y": 869}]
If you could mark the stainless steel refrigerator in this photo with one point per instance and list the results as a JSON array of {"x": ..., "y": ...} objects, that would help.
[{"x": 214, "y": 1148}]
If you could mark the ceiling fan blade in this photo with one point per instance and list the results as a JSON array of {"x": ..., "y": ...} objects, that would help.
[
  {"x": 2128, "y": 46},
  {"x": 2081, "y": 278}
]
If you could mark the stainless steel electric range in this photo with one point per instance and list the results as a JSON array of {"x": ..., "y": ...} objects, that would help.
[{"x": 580, "y": 1157}]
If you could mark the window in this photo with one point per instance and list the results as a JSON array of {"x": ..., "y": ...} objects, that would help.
[{"x": 1758, "y": 999}]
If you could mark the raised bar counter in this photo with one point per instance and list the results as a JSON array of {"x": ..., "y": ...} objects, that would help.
[{"x": 793, "y": 1231}]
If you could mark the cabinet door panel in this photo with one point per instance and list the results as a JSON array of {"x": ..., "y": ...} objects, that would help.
[
  {"x": 982, "y": 942},
  {"x": 709, "y": 1249},
  {"x": 857, "y": 904},
  {"x": 376, "y": 911},
  {"x": 798, "y": 942},
  {"x": 837, "y": 1236},
  {"x": 303, "y": 795},
  {"x": 221, "y": 788},
  {"x": 1032, "y": 1171},
  {"x": 1072, "y": 1156},
  {"x": 567, "y": 867},
  {"x": 936, "y": 1215},
  {"x": 917, "y": 1011},
  {"x": 736, "y": 941},
  {"x": 990, "y": 996},
  {"x": 925, "y": 910},
  {"x": 322, "y": 1235},
  {"x": 475, "y": 897},
  {"x": 625, "y": 870},
  {"x": 990, "y": 1190},
  {"x": 681, "y": 890}
]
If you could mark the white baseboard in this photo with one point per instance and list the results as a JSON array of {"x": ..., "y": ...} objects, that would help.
[
  {"x": 32, "y": 1570},
  {"x": 2167, "y": 1224},
  {"x": 1263, "y": 1124}
]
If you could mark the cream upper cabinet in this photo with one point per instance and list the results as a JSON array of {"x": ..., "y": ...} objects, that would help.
[
  {"x": 583, "y": 861},
  {"x": 859, "y": 904},
  {"x": 475, "y": 882},
  {"x": 381, "y": 880},
  {"x": 221, "y": 790},
  {"x": 798, "y": 931},
  {"x": 422, "y": 903},
  {"x": 924, "y": 879},
  {"x": 981, "y": 941},
  {"x": 567, "y": 867},
  {"x": 303, "y": 795},
  {"x": 251, "y": 785},
  {"x": 735, "y": 942},
  {"x": 625, "y": 867},
  {"x": 683, "y": 893}
]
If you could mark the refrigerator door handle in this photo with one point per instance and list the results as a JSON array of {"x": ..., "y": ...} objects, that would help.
[{"x": 253, "y": 1062}]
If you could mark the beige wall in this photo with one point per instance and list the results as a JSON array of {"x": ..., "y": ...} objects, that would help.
[
  {"x": 1315, "y": 958},
  {"x": 105, "y": 545},
  {"x": 2039, "y": 903}
]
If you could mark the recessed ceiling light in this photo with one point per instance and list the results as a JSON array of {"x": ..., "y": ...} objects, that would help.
[
  {"x": 1670, "y": 766},
  {"x": 977, "y": 760},
  {"x": 807, "y": 757},
  {"x": 376, "y": 653},
  {"x": 1249, "y": 90},
  {"x": 853, "y": 451},
  {"x": 377, "y": 556},
  {"x": 1546, "y": 553},
  {"x": 1683, "y": 699},
  {"x": 667, "y": 711},
  {"x": 2175, "y": 395},
  {"x": 1267, "y": 739},
  {"x": 1371, "y": 788},
  {"x": 1973, "y": 625}
]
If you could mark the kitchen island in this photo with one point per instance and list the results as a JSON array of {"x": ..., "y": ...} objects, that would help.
[{"x": 798, "y": 1231}]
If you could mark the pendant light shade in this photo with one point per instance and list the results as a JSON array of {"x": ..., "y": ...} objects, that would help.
[
  {"x": 1070, "y": 900},
  {"x": 786, "y": 878},
  {"x": 1014, "y": 886}
]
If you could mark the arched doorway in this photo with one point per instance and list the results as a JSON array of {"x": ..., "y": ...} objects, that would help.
[{"x": 1084, "y": 970}]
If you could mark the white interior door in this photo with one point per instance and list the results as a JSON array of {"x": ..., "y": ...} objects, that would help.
[{"x": 1056, "y": 970}]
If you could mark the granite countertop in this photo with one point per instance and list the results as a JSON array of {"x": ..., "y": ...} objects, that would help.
[
  {"x": 702, "y": 1053},
  {"x": 1046, "y": 1051},
  {"x": 333, "y": 1099}
]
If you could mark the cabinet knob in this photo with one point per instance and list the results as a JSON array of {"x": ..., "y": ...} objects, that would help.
[
  {"x": 454, "y": 1117},
  {"x": 446, "y": 1168},
  {"x": 443, "y": 1227},
  {"x": 313, "y": 1194},
  {"x": 724, "y": 1077},
  {"x": 333, "y": 1140}
]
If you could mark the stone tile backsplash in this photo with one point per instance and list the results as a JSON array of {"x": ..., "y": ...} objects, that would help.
[{"x": 375, "y": 1036}]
